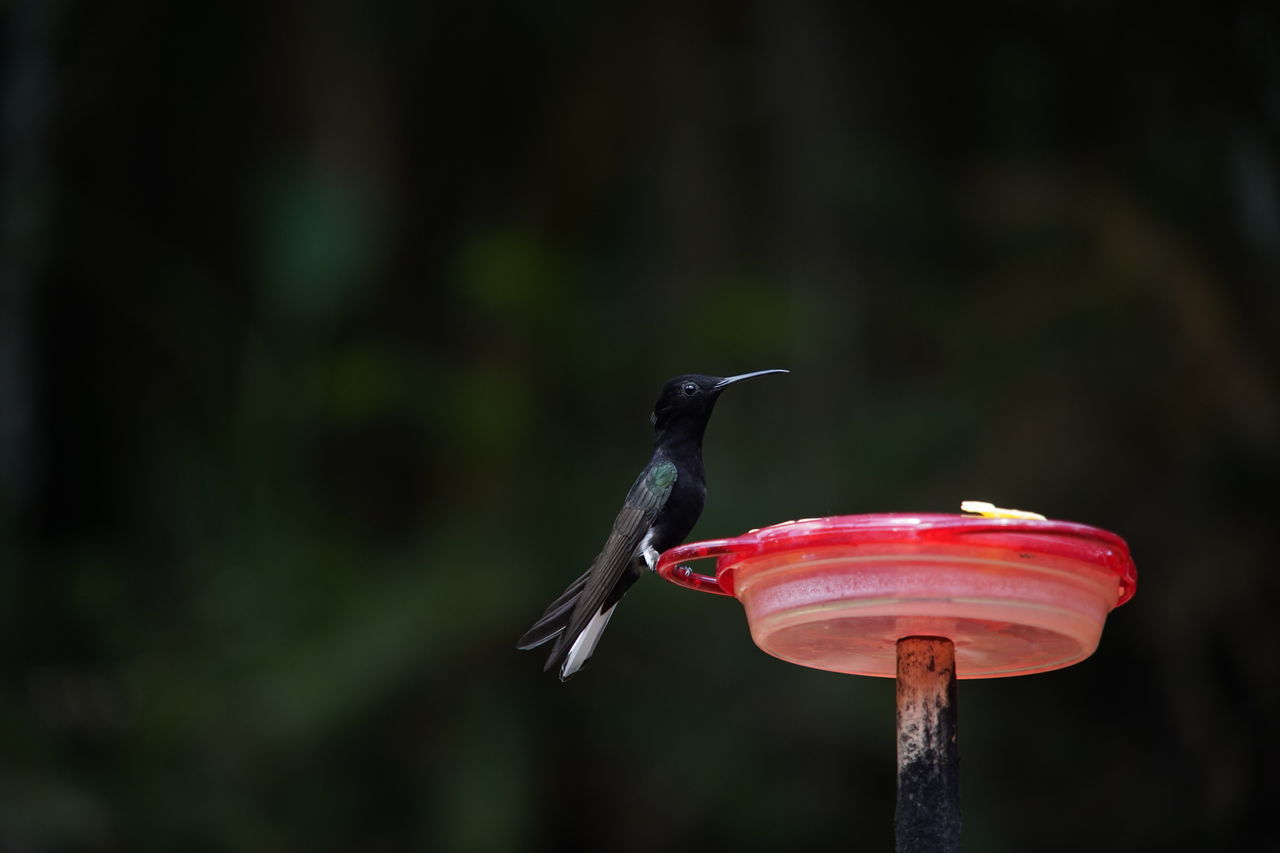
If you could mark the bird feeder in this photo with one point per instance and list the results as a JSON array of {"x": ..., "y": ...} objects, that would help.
[{"x": 925, "y": 598}]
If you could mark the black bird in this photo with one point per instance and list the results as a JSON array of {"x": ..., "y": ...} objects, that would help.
[{"x": 663, "y": 505}]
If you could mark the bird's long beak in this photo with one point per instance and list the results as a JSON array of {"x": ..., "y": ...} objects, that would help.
[{"x": 729, "y": 380}]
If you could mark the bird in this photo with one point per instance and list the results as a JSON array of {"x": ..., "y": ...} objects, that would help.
[{"x": 659, "y": 511}]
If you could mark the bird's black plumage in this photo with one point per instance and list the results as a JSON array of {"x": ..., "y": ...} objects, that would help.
[{"x": 659, "y": 511}]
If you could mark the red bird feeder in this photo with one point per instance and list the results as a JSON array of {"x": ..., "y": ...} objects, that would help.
[{"x": 926, "y": 598}]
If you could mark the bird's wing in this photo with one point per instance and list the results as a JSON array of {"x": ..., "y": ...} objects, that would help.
[{"x": 647, "y": 496}]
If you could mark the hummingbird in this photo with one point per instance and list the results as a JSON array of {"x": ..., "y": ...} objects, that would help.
[{"x": 659, "y": 511}]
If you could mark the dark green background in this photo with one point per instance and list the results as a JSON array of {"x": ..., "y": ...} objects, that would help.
[{"x": 328, "y": 340}]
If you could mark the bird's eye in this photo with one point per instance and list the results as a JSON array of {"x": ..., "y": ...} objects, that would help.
[{"x": 689, "y": 389}]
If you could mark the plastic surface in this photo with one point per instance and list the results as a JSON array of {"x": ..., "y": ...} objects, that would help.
[{"x": 1016, "y": 596}]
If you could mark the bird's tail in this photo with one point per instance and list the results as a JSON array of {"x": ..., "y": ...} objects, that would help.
[
  {"x": 569, "y": 653},
  {"x": 556, "y": 617},
  {"x": 583, "y": 645}
]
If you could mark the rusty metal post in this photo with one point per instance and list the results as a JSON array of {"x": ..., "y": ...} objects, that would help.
[{"x": 928, "y": 812}]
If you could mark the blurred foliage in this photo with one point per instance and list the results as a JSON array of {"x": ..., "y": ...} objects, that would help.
[{"x": 328, "y": 336}]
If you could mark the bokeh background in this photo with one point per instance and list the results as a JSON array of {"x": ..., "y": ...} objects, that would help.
[{"x": 328, "y": 338}]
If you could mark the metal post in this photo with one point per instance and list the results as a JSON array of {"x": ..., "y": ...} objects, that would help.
[{"x": 928, "y": 813}]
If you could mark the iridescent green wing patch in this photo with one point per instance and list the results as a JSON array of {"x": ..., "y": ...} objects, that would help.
[{"x": 662, "y": 477}]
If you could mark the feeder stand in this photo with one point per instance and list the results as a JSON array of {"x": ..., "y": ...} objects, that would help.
[
  {"x": 928, "y": 813},
  {"x": 925, "y": 599}
]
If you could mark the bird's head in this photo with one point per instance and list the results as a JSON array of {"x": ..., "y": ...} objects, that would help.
[{"x": 685, "y": 404}]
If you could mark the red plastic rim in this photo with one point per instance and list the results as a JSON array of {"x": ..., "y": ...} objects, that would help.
[{"x": 1063, "y": 538}]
